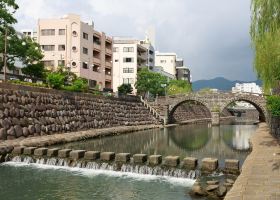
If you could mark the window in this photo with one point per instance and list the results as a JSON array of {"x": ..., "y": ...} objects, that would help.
[
  {"x": 116, "y": 60},
  {"x": 61, "y": 62},
  {"x": 46, "y": 32},
  {"x": 151, "y": 52},
  {"x": 162, "y": 61},
  {"x": 85, "y": 36},
  {"x": 128, "y": 70},
  {"x": 85, "y": 50},
  {"x": 128, "y": 49},
  {"x": 92, "y": 83},
  {"x": 61, "y": 47},
  {"x": 61, "y": 32},
  {"x": 48, "y": 63},
  {"x": 128, "y": 60},
  {"x": 128, "y": 81},
  {"x": 48, "y": 47},
  {"x": 85, "y": 65},
  {"x": 116, "y": 49}
]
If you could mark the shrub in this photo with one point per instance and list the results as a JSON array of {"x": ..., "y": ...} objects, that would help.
[
  {"x": 28, "y": 83},
  {"x": 125, "y": 89},
  {"x": 273, "y": 105},
  {"x": 55, "y": 80}
]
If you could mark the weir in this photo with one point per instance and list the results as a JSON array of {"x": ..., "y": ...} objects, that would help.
[{"x": 122, "y": 162}]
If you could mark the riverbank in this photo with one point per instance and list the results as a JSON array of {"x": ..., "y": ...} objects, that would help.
[
  {"x": 260, "y": 176},
  {"x": 48, "y": 140}
]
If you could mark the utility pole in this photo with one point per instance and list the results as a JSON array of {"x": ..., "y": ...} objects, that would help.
[{"x": 5, "y": 55}]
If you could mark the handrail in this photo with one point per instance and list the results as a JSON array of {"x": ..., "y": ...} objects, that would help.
[{"x": 152, "y": 110}]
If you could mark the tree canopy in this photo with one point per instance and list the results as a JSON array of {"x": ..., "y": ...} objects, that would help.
[
  {"x": 19, "y": 48},
  {"x": 152, "y": 82},
  {"x": 178, "y": 87},
  {"x": 125, "y": 89},
  {"x": 265, "y": 32}
]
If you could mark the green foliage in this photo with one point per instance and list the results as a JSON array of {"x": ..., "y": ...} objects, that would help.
[
  {"x": 265, "y": 31},
  {"x": 178, "y": 87},
  {"x": 55, "y": 80},
  {"x": 205, "y": 90},
  {"x": 28, "y": 83},
  {"x": 125, "y": 89},
  {"x": 18, "y": 48},
  {"x": 273, "y": 105},
  {"x": 78, "y": 85},
  {"x": 34, "y": 70},
  {"x": 148, "y": 81}
]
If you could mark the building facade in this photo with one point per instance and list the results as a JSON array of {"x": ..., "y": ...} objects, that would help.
[
  {"x": 129, "y": 55},
  {"x": 182, "y": 72},
  {"x": 167, "y": 61},
  {"x": 77, "y": 45},
  {"x": 247, "y": 87}
]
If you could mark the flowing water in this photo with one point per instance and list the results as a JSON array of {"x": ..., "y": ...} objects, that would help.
[{"x": 29, "y": 178}]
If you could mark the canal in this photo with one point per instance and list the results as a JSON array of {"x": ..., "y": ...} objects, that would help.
[{"x": 25, "y": 181}]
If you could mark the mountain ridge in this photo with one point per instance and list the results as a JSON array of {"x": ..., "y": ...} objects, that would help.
[{"x": 219, "y": 83}]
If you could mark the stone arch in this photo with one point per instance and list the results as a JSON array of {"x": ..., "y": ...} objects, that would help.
[
  {"x": 260, "y": 108},
  {"x": 173, "y": 107}
]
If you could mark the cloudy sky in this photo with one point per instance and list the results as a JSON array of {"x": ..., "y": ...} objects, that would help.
[{"x": 212, "y": 36}]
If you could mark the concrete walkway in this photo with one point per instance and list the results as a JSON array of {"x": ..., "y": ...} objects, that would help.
[{"x": 260, "y": 176}]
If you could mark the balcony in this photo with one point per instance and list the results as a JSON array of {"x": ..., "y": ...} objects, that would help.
[
  {"x": 108, "y": 77},
  {"x": 96, "y": 61},
  {"x": 109, "y": 64},
  {"x": 97, "y": 47},
  {"x": 108, "y": 51}
]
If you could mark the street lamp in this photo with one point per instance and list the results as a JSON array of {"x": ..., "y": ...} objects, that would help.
[{"x": 5, "y": 55}]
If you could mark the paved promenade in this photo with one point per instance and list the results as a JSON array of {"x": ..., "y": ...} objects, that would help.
[{"x": 260, "y": 177}]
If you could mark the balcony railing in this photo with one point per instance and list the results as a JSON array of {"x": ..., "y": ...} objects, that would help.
[
  {"x": 96, "y": 60},
  {"x": 109, "y": 51},
  {"x": 96, "y": 46}
]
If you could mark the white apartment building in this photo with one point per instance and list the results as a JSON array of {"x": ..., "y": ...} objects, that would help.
[
  {"x": 247, "y": 87},
  {"x": 167, "y": 61},
  {"x": 128, "y": 56},
  {"x": 69, "y": 42},
  {"x": 30, "y": 33}
]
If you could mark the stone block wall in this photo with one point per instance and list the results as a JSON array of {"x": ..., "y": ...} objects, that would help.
[
  {"x": 28, "y": 111},
  {"x": 274, "y": 124}
]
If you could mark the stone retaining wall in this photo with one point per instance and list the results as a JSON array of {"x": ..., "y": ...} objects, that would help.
[
  {"x": 29, "y": 111},
  {"x": 274, "y": 125}
]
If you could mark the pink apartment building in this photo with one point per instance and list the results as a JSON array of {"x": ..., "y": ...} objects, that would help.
[{"x": 75, "y": 44}]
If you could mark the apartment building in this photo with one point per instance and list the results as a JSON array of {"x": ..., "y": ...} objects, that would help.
[
  {"x": 128, "y": 56},
  {"x": 69, "y": 42},
  {"x": 247, "y": 88},
  {"x": 30, "y": 33},
  {"x": 167, "y": 61},
  {"x": 182, "y": 72}
]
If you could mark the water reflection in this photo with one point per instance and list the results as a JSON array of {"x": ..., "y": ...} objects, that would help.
[{"x": 199, "y": 141}]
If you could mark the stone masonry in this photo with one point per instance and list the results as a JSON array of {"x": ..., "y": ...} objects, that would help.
[{"x": 28, "y": 111}]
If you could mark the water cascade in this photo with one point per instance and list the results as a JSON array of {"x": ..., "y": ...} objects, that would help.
[{"x": 113, "y": 166}]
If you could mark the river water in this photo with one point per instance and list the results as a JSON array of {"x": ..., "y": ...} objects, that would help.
[{"x": 34, "y": 181}]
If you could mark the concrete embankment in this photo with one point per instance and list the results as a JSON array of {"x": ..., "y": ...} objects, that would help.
[{"x": 260, "y": 174}]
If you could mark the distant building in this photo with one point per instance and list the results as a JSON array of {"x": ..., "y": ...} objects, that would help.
[
  {"x": 182, "y": 72},
  {"x": 69, "y": 42},
  {"x": 128, "y": 56},
  {"x": 247, "y": 88},
  {"x": 167, "y": 61},
  {"x": 164, "y": 73},
  {"x": 30, "y": 33}
]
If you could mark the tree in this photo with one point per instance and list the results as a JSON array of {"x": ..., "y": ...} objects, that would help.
[
  {"x": 55, "y": 80},
  {"x": 34, "y": 71},
  {"x": 125, "y": 89},
  {"x": 18, "y": 48},
  {"x": 178, "y": 87},
  {"x": 265, "y": 31},
  {"x": 148, "y": 81}
]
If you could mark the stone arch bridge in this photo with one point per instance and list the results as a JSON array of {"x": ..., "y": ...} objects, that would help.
[{"x": 216, "y": 102}]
